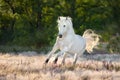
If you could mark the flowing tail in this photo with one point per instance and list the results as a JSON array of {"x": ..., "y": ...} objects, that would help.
[{"x": 92, "y": 40}]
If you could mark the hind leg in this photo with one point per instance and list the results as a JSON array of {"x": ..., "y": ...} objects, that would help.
[{"x": 77, "y": 55}]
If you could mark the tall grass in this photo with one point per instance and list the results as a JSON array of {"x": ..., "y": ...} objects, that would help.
[{"x": 23, "y": 67}]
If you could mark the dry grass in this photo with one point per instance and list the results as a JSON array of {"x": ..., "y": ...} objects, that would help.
[{"x": 21, "y": 67}]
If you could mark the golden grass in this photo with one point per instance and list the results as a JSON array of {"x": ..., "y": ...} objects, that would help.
[{"x": 19, "y": 67}]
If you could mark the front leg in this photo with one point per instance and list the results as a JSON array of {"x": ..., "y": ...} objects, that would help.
[
  {"x": 53, "y": 51},
  {"x": 56, "y": 58},
  {"x": 75, "y": 58},
  {"x": 64, "y": 56},
  {"x": 65, "y": 51}
]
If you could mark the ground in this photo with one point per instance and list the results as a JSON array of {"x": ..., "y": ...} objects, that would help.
[{"x": 27, "y": 66}]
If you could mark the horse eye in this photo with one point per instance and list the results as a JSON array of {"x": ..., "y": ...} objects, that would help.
[{"x": 63, "y": 25}]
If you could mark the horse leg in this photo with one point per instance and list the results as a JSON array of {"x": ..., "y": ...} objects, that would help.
[
  {"x": 56, "y": 58},
  {"x": 50, "y": 54},
  {"x": 64, "y": 56},
  {"x": 75, "y": 58}
]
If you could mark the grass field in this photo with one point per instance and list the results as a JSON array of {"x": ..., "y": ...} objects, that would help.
[{"x": 31, "y": 67}]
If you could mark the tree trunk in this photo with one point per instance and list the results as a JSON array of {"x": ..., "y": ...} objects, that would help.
[
  {"x": 39, "y": 15},
  {"x": 13, "y": 12}
]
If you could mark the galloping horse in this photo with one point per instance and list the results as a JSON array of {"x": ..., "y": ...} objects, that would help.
[{"x": 69, "y": 42}]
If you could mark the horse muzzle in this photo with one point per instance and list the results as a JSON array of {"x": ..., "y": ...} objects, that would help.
[{"x": 60, "y": 35}]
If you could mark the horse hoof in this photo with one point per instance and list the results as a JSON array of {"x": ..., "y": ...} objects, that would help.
[
  {"x": 46, "y": 61},
  {"x": 55, "y": 61}
]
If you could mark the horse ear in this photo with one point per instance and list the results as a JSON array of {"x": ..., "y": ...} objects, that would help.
[
  {"x": 58, "y": 18},
  {"x": 68, "y": 18}
]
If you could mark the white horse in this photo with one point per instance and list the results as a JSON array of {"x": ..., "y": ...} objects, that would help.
[{"x": 69, "y": 42}]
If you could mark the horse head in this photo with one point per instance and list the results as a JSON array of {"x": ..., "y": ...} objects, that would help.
[{"x": 64, "y": 26}]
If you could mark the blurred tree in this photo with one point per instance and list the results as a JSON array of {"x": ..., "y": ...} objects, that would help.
[
  {"x": 33, "y": 22},
  {"x": 7, "y": 20}
]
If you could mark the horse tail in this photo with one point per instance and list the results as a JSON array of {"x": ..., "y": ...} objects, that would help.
[{"x": 92, "y": 39}]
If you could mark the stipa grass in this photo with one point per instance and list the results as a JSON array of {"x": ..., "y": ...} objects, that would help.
[{"x": 19, "y": 67}]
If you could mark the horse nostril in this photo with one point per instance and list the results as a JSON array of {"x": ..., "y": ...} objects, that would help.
[{"x": 60, "y": 35}]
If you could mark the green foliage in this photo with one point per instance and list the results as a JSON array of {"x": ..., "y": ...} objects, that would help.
[
  {"x": 33, "y": 22},
  {"x": 114, "y": 45}
]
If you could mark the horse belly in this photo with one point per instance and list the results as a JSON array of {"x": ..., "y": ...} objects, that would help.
[
  {"x": 78, "y": 46},
  {"x": 75, "y": 46}
]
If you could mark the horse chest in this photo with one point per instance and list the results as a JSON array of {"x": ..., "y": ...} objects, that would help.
[{"x": 65, "y": 44}]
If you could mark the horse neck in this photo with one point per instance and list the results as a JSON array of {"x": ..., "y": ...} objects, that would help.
[
  {"x": 71, "y": 31},
  {"x": 70, "y": 34}
]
